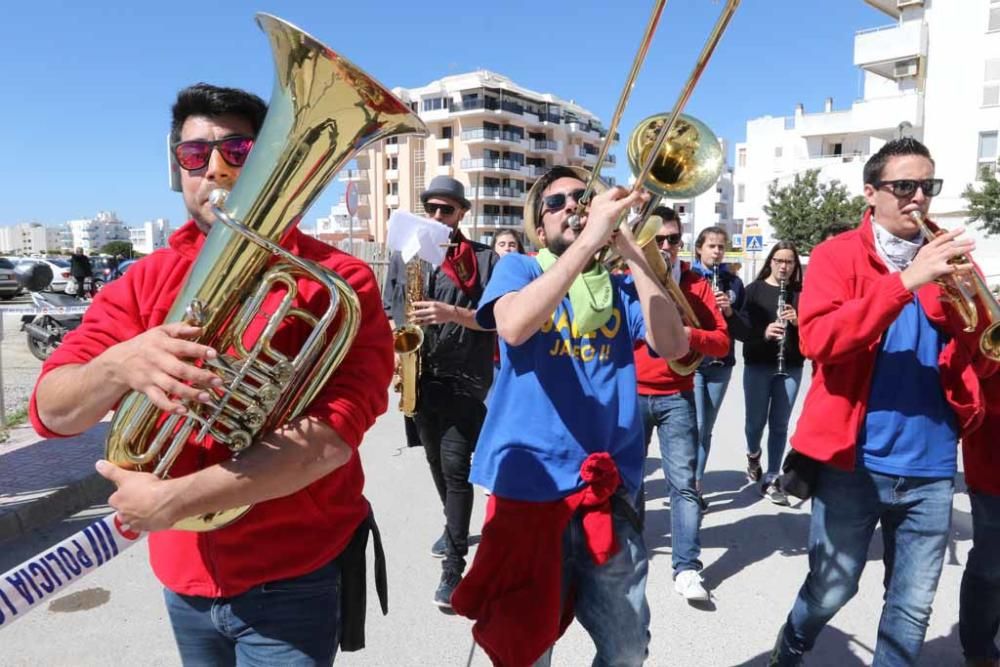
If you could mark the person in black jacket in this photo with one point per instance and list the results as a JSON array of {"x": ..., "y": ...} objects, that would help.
[
  {"x": 456, "y": 369},
  {"x": 79, "y": 268},
  {"x": 772, "y": 361}
]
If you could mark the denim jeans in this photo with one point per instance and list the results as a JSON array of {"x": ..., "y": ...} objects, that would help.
[
  {"x": 289, "y": 622},
  {"x": 610, "y": 599},
  {"x": 449, "y": 425},
  {"x": 979, "y": 606},
  {"x": 915, "y": 514},
  {"x": 673, "y": 415},
  {"x": 769, "y": 399},
  {"x": 710, "y": 384}
]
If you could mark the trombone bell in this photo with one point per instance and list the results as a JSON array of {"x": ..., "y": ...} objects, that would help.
[{"x": 689, "y": 162}]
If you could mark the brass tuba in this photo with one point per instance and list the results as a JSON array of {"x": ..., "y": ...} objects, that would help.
[
  {"x": 323, "y": 110},
  {"x": 968, "y": 293},
  {"x": 407, "y": 340}
]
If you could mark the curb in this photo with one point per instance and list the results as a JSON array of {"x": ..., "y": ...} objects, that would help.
[{"x": 55, "y": 506}]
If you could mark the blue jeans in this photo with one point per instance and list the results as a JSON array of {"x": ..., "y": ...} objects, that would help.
[
  {"x": 289, "y": 622},
  {"x": 769, "y": 399},
  {"x": 915, "y": 514},
  {"x": 673, "y": 416},
  {"x": 610, "y": 600},
  {"x": 710, "y": 384},
  {"x": 979, "y": 606}
]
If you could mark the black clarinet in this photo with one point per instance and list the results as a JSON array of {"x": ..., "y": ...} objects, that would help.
[
  {"x": 715, "y": 288},
  {"x": 782, "y": 296}
]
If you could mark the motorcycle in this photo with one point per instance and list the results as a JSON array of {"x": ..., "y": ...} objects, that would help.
[{"x": 45, "y": 330}]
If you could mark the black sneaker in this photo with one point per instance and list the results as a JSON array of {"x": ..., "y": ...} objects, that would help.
[
  {"x": 442, "y": 596},
  {"x": 440, "y": 548},
  {"x": 754, "y": 471}
]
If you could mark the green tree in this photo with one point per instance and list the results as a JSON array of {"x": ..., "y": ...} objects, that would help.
[
  {"x": 123, "y": 248},
  {"x": 800, "y": 211},
  {"x": 984, "y": 204}
]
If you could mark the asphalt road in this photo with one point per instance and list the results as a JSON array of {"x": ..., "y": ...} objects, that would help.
[{"x": 754, "y": 553}]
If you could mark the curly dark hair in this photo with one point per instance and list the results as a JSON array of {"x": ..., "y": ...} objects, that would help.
[{"x": 204, "y": 99}]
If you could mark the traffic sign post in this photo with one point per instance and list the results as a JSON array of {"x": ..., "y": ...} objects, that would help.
[{"x": 753, "y": 243}]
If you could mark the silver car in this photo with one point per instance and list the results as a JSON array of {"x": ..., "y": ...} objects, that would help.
[{"x": 9, "y": 284}]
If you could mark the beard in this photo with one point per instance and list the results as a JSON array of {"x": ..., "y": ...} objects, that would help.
[{"x": 558, "y": 245}]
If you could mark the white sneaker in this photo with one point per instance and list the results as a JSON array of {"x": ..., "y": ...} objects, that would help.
[
  {"x": 689, "y": 584},
  {"x": 775, "y": 494}
]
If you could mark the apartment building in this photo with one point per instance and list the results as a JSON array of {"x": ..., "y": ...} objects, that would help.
[
  {"x": 932, "y": 72},
  {"x": 151, "y": 235},
  {"x": 484, "y": 130},
  {"x": 92, "y": 234},
  {"x": 30, "y": 238}
]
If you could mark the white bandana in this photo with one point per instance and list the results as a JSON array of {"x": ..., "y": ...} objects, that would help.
[
  {"x": 897, "y": 253},
  {"x": 675, "y": 271}
]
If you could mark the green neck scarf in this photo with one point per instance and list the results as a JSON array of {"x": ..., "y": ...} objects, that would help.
[{"x": 589, "y": 295}]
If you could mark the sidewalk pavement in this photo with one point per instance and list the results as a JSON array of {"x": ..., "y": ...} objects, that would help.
[{"x": 45, "y": 480}]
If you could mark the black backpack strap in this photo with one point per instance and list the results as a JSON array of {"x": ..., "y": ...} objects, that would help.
[{"x": 354, "y": 583}]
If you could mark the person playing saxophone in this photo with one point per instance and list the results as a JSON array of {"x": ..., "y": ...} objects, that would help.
[
  {"x": 270, "y": 586},
  {"x": 456, "y": 368}
]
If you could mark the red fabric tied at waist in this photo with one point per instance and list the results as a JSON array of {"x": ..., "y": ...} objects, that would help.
[{"x": 514, "y": 588}]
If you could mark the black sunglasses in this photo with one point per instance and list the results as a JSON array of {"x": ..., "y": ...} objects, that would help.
[
  {"x": 446, "y": 209},
  {"x": 672, "y": 239},
  {"x": 904, "y": 187},
  {"x": 194, "y": 155},
  {"x": 556, "y": 201}
]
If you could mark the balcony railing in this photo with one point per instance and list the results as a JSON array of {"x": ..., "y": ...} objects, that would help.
[
  {"x": 543, "y": 145},
  {"x": 498, "y": 220},
  {"x": 491, "y": 135},
  {"x": 486, "y": 163},
  {"x": 496, "y": 193}
]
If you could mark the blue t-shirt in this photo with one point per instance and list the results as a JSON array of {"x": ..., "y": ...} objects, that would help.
[
  {"x": 909, "y": 429},
  {"x": 559, "y": 396}
]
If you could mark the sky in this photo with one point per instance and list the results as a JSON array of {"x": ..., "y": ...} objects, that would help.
[{"x": 87, "y": 87}]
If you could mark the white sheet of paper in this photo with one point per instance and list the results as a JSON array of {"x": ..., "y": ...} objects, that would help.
[{"x": 413, "y": 235}]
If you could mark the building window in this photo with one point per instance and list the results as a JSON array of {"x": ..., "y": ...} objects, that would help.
[
  {"x": 991, "y": 83},
  {"x": 446, "y": 132},
  {"x": 433, "y": 104},
  {"x": 682, "y": 209},
  {"x": 778, "y": 151},
  {"x": 741, "y": 193},
  {"x": 392, "y": 140},
  {"x": 741, "y": 157},
  {"x": 994, "y": 21},
  {"x": 987, "y": 160},
  {"x": 446, "y": 159},
  {"x": 392, "y": 188},
  {"x": 838, "y": 149},
  {"x": 392, "y": 163}
]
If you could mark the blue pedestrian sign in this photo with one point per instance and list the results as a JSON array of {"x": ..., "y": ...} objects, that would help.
[{"x": 753, "y": 243}]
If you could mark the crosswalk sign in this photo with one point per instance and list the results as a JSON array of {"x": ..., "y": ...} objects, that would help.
[{"x": 754, "y": 243}]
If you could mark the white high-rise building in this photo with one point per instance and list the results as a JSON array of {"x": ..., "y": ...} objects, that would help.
[
  {"x": 151, "y": 235},
  {"x": 488, "y": 132},
  {"x": 93, "y": 233},
  {"x": 29, "y": 238},
  {"x": 932, "y": 73},
  {"x": 712, "y": 208}
]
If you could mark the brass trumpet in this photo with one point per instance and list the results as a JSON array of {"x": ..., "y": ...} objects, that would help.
[{"x": 967, "y": 293}]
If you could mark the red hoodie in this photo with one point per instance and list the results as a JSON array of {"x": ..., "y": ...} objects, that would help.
[
  {"x": 280, "y": 538},
  {"x": 848, "y": 302},
  {"x": 711, "y": 338},
  {"x": 980, "y": 453}
]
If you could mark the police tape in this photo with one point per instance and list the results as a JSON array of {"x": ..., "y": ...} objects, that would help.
[
  {"x": 38, "y": 579},
  {"x": 48, "y": 310}
]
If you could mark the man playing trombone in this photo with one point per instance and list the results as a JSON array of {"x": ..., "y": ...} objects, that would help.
[
  {"x": 562, "y": 447},
  {"x": 892, "y": 390}
]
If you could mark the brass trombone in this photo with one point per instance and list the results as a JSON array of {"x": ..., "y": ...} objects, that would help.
[{"x": 969, "y": 292}]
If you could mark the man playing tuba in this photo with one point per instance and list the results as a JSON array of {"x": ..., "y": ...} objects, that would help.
[{"x": 271, "y": 587}]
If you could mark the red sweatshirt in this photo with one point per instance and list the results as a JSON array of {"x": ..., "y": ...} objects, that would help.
[
  {"x": 280, "y": 538},
  {"x": 654, "y": 375},
  {"x": 848, "y": 302},
  {"x": 980, "y": 450}
]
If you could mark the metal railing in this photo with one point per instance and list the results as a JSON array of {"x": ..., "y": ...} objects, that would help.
[{"x": 486, "y": 163}]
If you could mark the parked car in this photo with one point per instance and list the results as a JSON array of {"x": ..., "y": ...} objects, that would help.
[
  {"x": 10, "y": 286},
  {"x": 60, "y": 272}
]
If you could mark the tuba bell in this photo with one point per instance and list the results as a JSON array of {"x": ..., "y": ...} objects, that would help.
[{"x": 323, "y": 111}]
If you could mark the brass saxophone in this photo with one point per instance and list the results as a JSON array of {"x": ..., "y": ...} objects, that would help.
[
  {"x": 407, "y": 340},
  {"x": 323, "y": 111}
]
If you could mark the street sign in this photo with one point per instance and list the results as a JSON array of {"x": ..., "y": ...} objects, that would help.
[
  {"x": 737, "y": 240},
  {"x": 754, "y": 243},
  {"x": 351, "y": 198}
]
